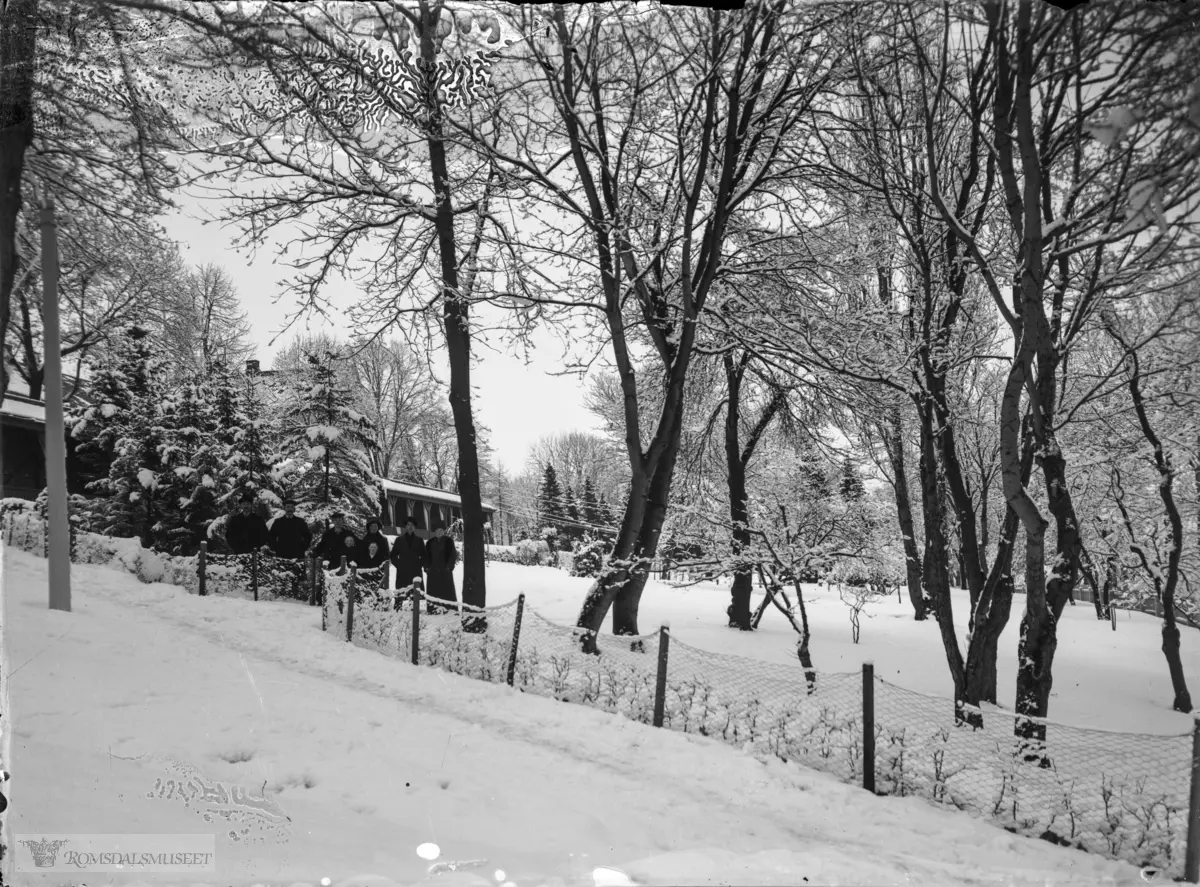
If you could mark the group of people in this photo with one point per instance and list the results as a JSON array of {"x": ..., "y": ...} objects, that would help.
[{"x": 415, "y": 561}]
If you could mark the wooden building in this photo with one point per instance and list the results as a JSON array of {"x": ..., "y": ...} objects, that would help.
[
  {"x": 22, "y": 447},
  {"x": 426, "y": 505}
]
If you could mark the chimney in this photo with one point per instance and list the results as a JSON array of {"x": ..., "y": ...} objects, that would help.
[{"x": 252, "y": 368}]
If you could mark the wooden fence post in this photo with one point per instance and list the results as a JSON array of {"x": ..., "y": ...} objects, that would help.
[
  {"x": 1112, "y": 615},
  {"x": 660, "y": 683},
  {"x": 320, "y": 578},
  {"x": 416, "y": 624},
  {"x": 254, "y": 572},
  {"x": 1191, "y": 864},
  {"x": 516, "y": 639},
  {"x": 351, "y": 594},
  {"x": 202, "y": 568},
  {"x": 310, "y": 568},
  {"x": 868, "y": 673}
]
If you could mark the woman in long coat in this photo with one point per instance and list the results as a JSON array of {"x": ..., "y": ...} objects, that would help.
[{"x": 440, "y": 559}]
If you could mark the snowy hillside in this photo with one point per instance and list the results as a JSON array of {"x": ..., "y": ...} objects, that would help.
[{"x": 369, "y": 758}]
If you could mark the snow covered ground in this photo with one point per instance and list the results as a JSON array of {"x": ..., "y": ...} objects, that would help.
[{"x": 369, "y": 758}]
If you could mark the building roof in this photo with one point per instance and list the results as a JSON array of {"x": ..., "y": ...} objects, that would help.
[
  {"x": 431, "y": 494},
  {"x": 20, "y": 407}
]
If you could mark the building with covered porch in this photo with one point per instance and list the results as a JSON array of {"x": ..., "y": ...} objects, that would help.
[{"x": 425, "y": 505}]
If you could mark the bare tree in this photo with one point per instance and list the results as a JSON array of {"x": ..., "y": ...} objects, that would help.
[
  {"x": 1070, "y": 216},
  {"x": 399, "y": 396},
  {"x": 642, "y": 150},
  {"x": 74, "y": 117},
  {"x": 109, "y": 276},
  {"x": 203, "y": 322}
]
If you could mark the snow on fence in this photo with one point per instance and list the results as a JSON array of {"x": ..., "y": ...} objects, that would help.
[{"x": 1125, "y": 796}]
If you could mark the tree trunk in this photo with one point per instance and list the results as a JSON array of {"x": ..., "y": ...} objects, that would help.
[
  {"x": 456, "y": 323},
  {"x": 894, "y": 443},
  {"x": 628, "y": 598},
  {"x": 935, "y": 574},
  {"x": 739, "y": 606},
  {"x": 18, "y": 54},
  {"x": 1166, "y": 589},
  {"x": 1088, "y": 568},
  {"x": 989, "y": 616},
  {"x": 616, "y": 571}
]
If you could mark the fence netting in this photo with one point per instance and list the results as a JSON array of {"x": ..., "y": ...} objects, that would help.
[
  {"x": 618, "y": 678},
  {"x": 1121, "y": 795},
  {"x": 277, "y": 578},
  {"x": 773, "y": 708}
]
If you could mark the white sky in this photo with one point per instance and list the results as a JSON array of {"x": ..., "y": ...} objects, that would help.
[{"x": 517, "y": 403}]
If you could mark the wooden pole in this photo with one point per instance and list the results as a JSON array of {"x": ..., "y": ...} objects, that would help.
[
  {"x": 59, "y": 542},
  {"x": 416, "y": 624},
  {"x": 868, "y": 674},
  {"x": 350, "y": 595},
  {"x": 310, "y": 565},
  {"x": 1112, "y": 615},
  {"x": 202, "y": 568},
  {"x": 254, "y": 572},
  {"x": 1191, "y": 859},
  {"x": 660, "y": 683},
  {"x": 516, "y": 639}
]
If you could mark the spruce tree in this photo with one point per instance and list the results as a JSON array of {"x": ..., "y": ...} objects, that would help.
[
  {"x": 190, "y": 485},
  {"x": 131, "y": 488},
  {"x": 589, "y": 507},
  {"x": 813, "y": 476},
  {"x": 851, "y": 487},
  {"x": 331, "y": 440},
  {"x": 251, "y": 463},
  {"x": 96, "y": 422},
  {"x": 571, "y": 515},
  {"x": 550, "y": 500}
]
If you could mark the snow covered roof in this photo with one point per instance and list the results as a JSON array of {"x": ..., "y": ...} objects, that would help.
[
  {"x": 23, "y": 408},
  {"x": 430, "y": 494}
]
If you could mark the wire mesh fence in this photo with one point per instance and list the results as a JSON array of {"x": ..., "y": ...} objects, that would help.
[
  {"x": 771, "y": 707},
  {"x": 1121, "y": 795}
]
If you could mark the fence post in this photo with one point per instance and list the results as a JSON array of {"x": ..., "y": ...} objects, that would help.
[
  {"x": 416, "y": 623},
  {"x": 660, "y": 683},
  {"x": 254, "y": 572},
  {"x": 1191, "y": 866},
  {"x": 387, "y": 576},
  {"x": 1112, "y": 614},
  {"x": 516, "y": 639},
  {"x": 351, "y": 594},
  {"x": 319, "y": 577},
  {"x": 310, "y": 569},
  {"x": 202, "y": 568},
  {"x": 869, "y": 726}
]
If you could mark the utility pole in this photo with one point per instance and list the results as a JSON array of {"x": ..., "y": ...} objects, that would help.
[{"x": 58, "y": 556}]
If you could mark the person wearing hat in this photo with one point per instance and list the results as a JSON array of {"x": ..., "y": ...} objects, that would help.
[
  {"x": 246, "y": 530},
  {"x": 440, "y": 559},
  {"x": 372, "y": 548},
  {"x": 408, "y": 557},
  {"x": 336, "y": 542},
  {"x": 289, "y": 534}
]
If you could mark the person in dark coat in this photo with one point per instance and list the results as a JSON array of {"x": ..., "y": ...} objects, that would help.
[
  {"x": 372, "y": 548},
  {"x": 440, "y": 559},
  {"x": 289, "y": 535},
  {"x": 337, "y": 541},
  {"x": 245, "y": 530},
  {"x": 408, "y": 554},
  {"x": 408, "y": 557}
]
